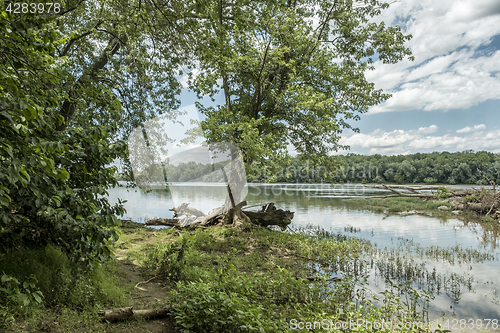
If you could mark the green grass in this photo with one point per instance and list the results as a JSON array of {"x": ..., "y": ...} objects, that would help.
[
  {"x": 222, "y": 280},
  {"x": 394, "y": 205},
  {"x": 66, "y": 289}
]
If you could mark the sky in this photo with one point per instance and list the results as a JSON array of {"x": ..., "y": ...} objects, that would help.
[{"x": 448, "y": 98}]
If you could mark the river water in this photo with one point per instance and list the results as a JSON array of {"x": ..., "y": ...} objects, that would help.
[{"x": 455, "y": 259}]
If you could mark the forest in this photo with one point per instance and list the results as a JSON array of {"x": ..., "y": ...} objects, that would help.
[{"x": 419, "y": 168}]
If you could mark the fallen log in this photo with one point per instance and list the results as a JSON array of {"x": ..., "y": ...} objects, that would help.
[
  {"x": 422, "y": 195},
  {"x": 269, "y": 215},
  {"x": 415, "y": 191},
  {"x": 129, "y": 312},
  {"x": 165, "y": 222},
  {"x": 279, "y": 217}
]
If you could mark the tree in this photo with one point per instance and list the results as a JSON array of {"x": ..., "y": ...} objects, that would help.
[
  {"x": 76, "y": 83},
  {"x": 291, "y": 73},
  {"x": 52, "y": 187}
]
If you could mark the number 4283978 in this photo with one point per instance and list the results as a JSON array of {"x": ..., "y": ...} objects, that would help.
[{"x": 33, "y": 7}]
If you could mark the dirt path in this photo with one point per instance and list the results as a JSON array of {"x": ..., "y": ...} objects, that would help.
[
  {"x": 145, "y": 296},
  {"x": 147, "y": 293}
]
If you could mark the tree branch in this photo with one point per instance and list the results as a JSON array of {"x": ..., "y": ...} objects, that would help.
[
  {"x": 69, "y": 105},
  {"x": 73, "y": 40}
]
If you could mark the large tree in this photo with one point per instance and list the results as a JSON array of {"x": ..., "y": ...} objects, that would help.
[
  {"x": 73, "y": 85},
  {"x": 292, "y": 73}
]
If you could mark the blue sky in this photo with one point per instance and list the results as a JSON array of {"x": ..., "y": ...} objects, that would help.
[{"x": 448, "y": 99}]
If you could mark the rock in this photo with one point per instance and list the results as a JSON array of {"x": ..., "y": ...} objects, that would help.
[
  {"x": 411, "y": 212},
  {"x": 456, "y": 212},
  {"x": 453, "y": 200},
  {"x": 443, "y": 208}
]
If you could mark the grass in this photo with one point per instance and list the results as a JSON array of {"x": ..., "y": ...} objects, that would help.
[
  {"x": 220, "y": 273},
  {"x": 398, "y": 204},
  {"x": 68, "y": 294},
  {"x": 222, "y": 280}
]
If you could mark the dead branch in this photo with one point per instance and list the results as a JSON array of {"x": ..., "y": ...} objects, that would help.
[
  {"x": 144, "y": 282},
  {"x": 183, "y": 209},
  {"x": 421, "y": 195}
]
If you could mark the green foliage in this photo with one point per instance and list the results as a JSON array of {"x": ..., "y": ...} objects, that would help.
[
  {"x": 415, "y": 168},
  {"x": 430, "y": 180},
  {"x": 283, "y": 81},
  {"x": 52, "y": 192},
  {"x": 478, "y": 196},
  {"x": 442, "y": 193},
  {"x": 51, "y": 279},
  {"x": 16, "y": 296},
  {"x": 250, "y": 288},
  {"x": 215, "y": 307},
  {"x": 168, "y": 260}
]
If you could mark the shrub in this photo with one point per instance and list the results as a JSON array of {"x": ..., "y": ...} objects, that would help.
[
  {"x": 442, "y": 193},
  {"x": 16, "y": 296},
  {"x": 168, "y": 259},
  {"x": 46, "y": 276},
  {"x": 222, "y": 306},
  {"x": 430, "y": 180}
]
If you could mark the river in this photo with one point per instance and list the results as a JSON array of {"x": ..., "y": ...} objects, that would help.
[{"x": 462, "y": 256}]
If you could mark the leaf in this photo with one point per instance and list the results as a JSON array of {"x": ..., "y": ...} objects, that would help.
[
  {"x": 5, "y": 200},
  {"x": 7, "y": 278},
  {"x": 37, "y": 297},
  {"x": 6, "y": 115}
]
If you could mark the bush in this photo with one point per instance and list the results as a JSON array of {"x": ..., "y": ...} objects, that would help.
[
  {"x": 222, "y": 306},
  {"x": 430, "y": 180},
  {"x": 16, "y": 296},
  {"x": 442, "y": 193},
  {"x": 46, "y": 276},
  {"x": 210, "y": 309},
  {"x": 168, "y": 259}
]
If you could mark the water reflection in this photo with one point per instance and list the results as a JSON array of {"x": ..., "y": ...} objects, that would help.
[{"x": 456, "y": 260}]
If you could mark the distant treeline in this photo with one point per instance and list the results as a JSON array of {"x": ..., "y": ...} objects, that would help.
[
  {"x": 184, "y": 172},
  {"x": 432, "y": 168}
]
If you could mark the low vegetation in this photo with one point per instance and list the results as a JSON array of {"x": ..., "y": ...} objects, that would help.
[
  {"x": 43, "y": 286},
  {"x": 220, "y": 279}
]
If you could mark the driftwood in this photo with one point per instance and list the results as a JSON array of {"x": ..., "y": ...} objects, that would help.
[
  {"x": 185, "y": 210},
  {"x": 269, "y": 215},
  {"x": 485, "y": 203},
  {"x": 397, "y": 193},
  {"x": 126, "y": 313},
  {"x": 415, "y": 191}
]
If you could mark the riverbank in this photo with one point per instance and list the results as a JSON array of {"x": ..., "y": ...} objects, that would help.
[
  {"x": 443, "y": 208},
  {"x": 223, "y": 280}
]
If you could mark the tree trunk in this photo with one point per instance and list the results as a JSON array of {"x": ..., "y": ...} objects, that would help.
[
  {"x": 89, "y": 75},
  {"x": 126, "y": 313}
]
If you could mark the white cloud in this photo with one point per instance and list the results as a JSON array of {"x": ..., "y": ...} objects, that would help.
[
  {"x": 471, "y": 129},
  {"x": 428, "y": 130},
  {"x": 404, "y": 142},
  {"x": 448, "y": 72}
]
